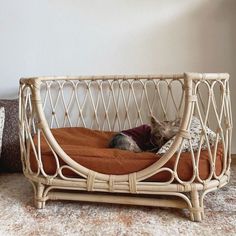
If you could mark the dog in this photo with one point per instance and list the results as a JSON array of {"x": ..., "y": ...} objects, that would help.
[{"x": 146, "y": 137}]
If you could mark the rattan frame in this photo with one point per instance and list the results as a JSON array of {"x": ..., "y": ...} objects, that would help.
[{"x": 130, "y": 188}]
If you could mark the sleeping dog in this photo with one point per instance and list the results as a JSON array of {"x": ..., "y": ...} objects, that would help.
[{"x": 146, "y": 137}]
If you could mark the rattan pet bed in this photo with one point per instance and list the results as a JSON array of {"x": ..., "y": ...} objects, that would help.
[{"x": 66, "y": 123}]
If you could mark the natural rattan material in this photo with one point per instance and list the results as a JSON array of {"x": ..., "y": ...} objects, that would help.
[{"x": 116, "y": 102}]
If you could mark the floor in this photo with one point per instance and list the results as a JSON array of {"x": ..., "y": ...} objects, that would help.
[{"x": 19, "y": 217}]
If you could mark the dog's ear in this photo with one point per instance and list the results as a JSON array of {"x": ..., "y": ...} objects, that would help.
[{"x": 154, "y": 122}]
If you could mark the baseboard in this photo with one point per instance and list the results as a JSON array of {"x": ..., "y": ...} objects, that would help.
[{"x": 233, "y": 159}]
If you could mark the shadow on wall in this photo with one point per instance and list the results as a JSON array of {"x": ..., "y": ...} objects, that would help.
[{"x": 198, "y": 37}]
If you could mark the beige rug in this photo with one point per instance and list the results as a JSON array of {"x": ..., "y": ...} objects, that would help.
[{"x": 19, "y": 217}]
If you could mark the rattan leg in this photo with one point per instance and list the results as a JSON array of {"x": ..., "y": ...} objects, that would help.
[
  {"x": 196, "y": 211},
  {"x": 39, "y": 200}
]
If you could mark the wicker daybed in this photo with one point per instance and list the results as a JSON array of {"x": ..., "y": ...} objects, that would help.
[{"x": 67, "y": 122}]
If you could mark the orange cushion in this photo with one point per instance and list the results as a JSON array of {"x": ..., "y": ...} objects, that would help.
[{"x": 89, "y": 148}]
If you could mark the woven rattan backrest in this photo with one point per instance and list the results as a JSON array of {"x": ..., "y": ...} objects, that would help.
[{"x": 111, "y": 103}]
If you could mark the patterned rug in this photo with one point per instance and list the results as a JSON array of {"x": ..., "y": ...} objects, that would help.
[{"x": 19, "y": 217}]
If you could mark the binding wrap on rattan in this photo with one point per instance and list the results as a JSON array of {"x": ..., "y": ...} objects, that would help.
[
  {"x": 90, "y": 180},
  {"x": 184, "y": 134},
  {"x": 111, "y": 183},
  {"x": 132, "y": 183}
]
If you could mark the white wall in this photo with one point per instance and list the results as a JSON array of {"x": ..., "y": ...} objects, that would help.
[{"x": 75, "y": 37}]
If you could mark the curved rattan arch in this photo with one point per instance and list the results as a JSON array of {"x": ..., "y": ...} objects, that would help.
[{"x": 140, "y": 175}]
